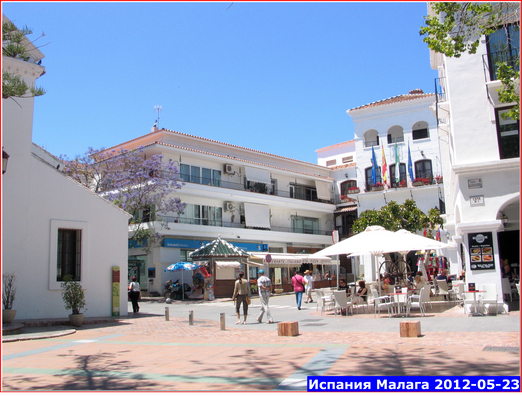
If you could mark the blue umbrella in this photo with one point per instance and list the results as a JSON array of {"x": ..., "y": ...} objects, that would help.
[{"x": 182, "y": 266}]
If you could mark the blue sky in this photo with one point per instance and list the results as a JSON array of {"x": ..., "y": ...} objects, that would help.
[{"x": 274, "y": 77}]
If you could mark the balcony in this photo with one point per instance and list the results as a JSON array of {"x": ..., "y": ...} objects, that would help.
[
  {"x": 296, "y": 192},
  {"x": 172, "y": 221},
  {"x": 490, "y": 63}
]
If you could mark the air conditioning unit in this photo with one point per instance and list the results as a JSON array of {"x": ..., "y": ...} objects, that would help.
[
  {"x": 228, "y": 206},
  {"x": 229, "y": 169}
]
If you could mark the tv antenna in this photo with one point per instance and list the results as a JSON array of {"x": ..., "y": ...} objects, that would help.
[{"x": 157, "y": 109}]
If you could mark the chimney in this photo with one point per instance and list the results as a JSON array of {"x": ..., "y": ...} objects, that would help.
[{"x": 416, "y": 91}]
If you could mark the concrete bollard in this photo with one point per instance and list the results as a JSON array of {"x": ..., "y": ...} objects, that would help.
[
  {"x": 222, "y": 320},
  {"x": 191, "y": 318},
  {"x": 167, "y": 314}
]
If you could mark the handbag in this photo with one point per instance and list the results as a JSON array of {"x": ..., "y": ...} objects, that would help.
[{"x": 248, "y": 300}]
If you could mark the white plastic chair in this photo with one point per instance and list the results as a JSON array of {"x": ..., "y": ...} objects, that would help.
[
  {"x": 489, "y": 297},
  {"x": 341, "y": 302},
  {"x": 381, "y": 302},
  {"x": 419, "y": 300},
  {"x": 323, "y": 301},
  {"x": 443, "y": 289}
]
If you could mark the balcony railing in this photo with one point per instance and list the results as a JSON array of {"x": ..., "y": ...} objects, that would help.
[
  {"x": 171, "y": 221},
  {"x": 304, "y": 193},
  {"x": 370, "y": 143}
]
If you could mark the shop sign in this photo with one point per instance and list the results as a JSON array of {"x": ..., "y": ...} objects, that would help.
[
  {"x": 475, "y": 183},
  {"x": 476, "y": 200},
  {"x": 194, "y": 244},
  {"x": 481, "y": 251}
]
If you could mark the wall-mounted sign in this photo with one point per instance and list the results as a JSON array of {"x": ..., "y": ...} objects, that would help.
[
  {"x": 481, "y": 251},
  {"x": 475, "y": 183},
  {"x": 476, "y": 200}
]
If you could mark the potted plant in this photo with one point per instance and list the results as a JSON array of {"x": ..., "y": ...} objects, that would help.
[
  {"x": 8, "y": 296},
  {"x": 438, "y": 179},
  {"x": 418, "y": 182},
  {"x": 378, "y": 187},
  {"x": 426, "y": 181},
  {"x": 353, "y": 190},
  {"x": 73, "y": 297},
  {"x": 402, "y": 183}
]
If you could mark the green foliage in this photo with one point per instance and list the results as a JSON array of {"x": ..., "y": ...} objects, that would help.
[
  {"x": 507, "y": 93},
  {"x": 73, "y": 295},
  {"x": 395, "y": 217},
  {"x": 14, "y": 46},
  {"x": 455, "y": 28},
  {"x": 8, "y": 290}
]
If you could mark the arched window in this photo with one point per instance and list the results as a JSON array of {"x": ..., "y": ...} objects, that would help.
[
  {"x": 369, "y": 179},
  {"x": 345, "y": 186},
  {"x": 423, "y": 169},
  {"x": 395, "y": 134},
  {"x": 420, "y": 130},
  {"x": 371, "y": 138}
]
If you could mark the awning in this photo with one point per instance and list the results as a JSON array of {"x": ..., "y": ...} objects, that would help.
[
  {"x": 228, "y": 264},
  {"x": 258, "y": 175},
  {"x": 323, "y": 190},
  {"x": 289, "y": 259},
  {"x": 346, "y": 209},
  {"x": 255, "y": 264},
  {"x": 257, "y": 215}
]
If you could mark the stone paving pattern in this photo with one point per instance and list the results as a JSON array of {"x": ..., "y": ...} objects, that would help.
[{"x": 146, "y": 352}]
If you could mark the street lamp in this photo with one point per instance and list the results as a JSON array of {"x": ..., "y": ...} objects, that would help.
[
  {"x": 5, "y": 158},
  {"x": 503, "y": 218}
]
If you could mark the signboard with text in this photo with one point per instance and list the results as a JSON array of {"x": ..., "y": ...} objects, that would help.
[{"x": 481, "y": 251}]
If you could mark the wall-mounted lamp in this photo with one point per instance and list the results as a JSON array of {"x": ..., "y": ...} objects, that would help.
[
  {"x": 503, "y": 218},
  {"x": 448, "y": 235},
  {"x": 346, "y": 175},
  {"x": 5, "y": 158}
]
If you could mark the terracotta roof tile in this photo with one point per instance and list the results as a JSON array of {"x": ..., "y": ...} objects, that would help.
[{"x": 395, "y": 99}]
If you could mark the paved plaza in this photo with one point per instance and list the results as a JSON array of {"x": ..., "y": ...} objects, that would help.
[{"x": 146, "y": 352}]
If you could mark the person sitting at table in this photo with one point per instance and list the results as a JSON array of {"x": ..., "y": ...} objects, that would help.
[
  {"x": 361, "y": 295},
  {"x": 443, "y": 276},
  {"x": 344, "y": 286},
  {"x": 462, "y": 276},
  {"x": 506, "y": 270},
  {"x": 420, "y": 280}
]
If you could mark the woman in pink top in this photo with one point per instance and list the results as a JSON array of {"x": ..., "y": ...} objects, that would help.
[{"x": 298, "y": 282}]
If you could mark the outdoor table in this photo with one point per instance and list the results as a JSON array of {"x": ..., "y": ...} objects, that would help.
[{"x": 475, "y": 305}]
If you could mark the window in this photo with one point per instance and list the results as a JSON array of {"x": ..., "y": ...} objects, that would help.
[
  {"x": 202, "y": 215},
  {"x": 423, "y": 169},
  {"x": 402, "y": 174},
  {"x": 195, "y": 174},
  {"x": 395, "y": 134},
  {"x": 345, "y": 186},
  {"x": 305, "y": 225},
  {"x": 69, "y": 254},
  {"x": 508, "y": 131},
  {"x": 369, "y": 179},
  {"x": 503, "y": 46},
  {"x": 331, "y": 163},
  {"x": 303, "y": 192},
  {"x": 347, "y": 160},
  {"x": 371, "y": 138},
  {"x": 420, "y": 134}
]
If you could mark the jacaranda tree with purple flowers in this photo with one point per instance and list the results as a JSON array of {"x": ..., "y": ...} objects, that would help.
[{"x": 142, "y": 186}]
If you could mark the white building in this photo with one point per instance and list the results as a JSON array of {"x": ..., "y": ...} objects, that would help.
[
  {"x": 392, "y": 125},
  {"x": 255, "y": 200},
  {"x": 481, "y": 159},
  {"x": 42, "y": 208}
]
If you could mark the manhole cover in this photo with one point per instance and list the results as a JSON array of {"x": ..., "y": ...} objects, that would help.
[{"x": 501, "y": 349}]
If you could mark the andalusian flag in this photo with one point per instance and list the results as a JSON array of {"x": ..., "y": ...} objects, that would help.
[
  {"x": 397, "y": 165},
  {"x": 383, "y": 166}
]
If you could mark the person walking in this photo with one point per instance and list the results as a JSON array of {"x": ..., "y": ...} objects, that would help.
[
  {"x": 134, "y": 294},
  {"x": 298, "y": 284},
  {"x": 241, "y": 288},
  {"x": 264, "y": 286},
  {"x": 309, "y": 285}
]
